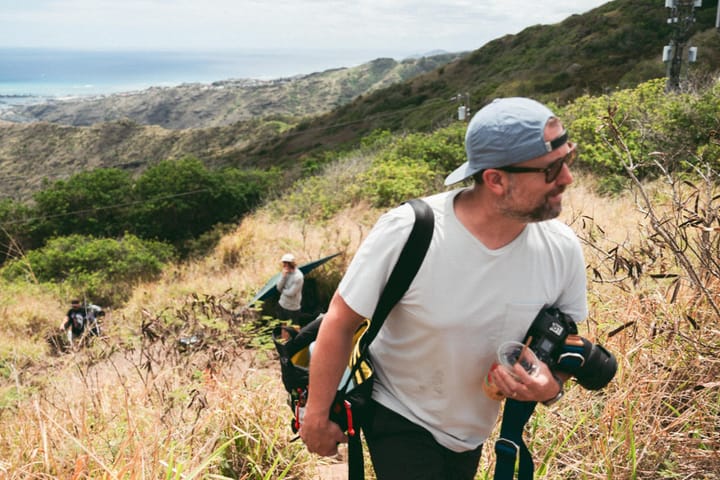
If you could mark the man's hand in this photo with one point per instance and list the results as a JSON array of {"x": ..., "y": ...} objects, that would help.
[
  {"x": 321, "y": 435},
  {"x": 519, "y": 385}
]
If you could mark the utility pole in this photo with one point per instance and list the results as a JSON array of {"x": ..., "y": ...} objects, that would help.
[{"x": 681, "y": 16}]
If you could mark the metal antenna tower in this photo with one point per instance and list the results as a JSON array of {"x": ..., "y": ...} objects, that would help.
[{"x": 681, "y": 16}]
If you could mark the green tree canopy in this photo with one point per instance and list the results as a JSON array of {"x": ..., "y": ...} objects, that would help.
[{"x": 89, "y": 203}]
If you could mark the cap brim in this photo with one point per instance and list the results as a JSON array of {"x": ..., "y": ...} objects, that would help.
[{"x": 459, "y": 174}]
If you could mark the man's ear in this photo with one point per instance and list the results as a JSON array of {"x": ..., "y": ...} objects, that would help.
[{"x": 495, "y": 181}]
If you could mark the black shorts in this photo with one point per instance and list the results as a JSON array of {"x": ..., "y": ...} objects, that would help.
[{"x": 402, "y": 450}]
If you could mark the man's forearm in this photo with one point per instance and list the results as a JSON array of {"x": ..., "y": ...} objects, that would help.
[
  {"x": 330, "y": 355},
  {"x": 329, "y": 360}
]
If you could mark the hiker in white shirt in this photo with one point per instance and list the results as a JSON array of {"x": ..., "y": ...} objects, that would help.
[
  {"x": 496, "y": 259},
  {"x": 290, "y": 287}
]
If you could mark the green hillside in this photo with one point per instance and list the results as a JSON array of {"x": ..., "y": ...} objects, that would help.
[{"x": 613, "y": 46}]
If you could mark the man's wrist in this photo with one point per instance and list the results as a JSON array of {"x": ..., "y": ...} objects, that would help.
[{"x": 551, "y": 401}]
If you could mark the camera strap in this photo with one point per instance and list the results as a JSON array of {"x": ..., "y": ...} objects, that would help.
[{"x": 510, "y": 445}]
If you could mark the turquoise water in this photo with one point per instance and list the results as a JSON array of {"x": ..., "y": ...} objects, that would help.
[{"x": 26, "y": 74}]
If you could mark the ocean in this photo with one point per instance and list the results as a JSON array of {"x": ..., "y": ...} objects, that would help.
[{"x": 31, "y": 75}]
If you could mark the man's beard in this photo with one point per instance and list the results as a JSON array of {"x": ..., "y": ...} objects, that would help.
[{"x": 544, "y": 210}]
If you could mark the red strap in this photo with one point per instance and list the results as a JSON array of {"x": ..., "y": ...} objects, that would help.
[{"x": 348, "y": 413}]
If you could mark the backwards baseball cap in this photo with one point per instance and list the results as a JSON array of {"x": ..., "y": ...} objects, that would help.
[
  {"x": 288, "y": 257},
  {"x": 504, "y": 132}
]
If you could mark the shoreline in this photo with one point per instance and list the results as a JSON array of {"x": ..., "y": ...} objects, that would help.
[{"x": 48, "y": 73}]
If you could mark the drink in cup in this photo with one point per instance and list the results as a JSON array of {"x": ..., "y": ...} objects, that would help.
[{"x": 508, "y": 354}]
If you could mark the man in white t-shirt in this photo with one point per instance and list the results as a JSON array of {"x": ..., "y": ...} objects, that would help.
[{"x": 496, "y": 259}]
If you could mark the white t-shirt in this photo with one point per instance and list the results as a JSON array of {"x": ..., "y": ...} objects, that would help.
[
  {"x": 290, "y": 288},
  {"x": 438, "y": 343}
]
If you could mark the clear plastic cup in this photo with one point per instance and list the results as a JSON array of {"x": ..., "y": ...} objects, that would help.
[
  {"x": 508, "y": 354},
  {"x": 511, "y": 352}
]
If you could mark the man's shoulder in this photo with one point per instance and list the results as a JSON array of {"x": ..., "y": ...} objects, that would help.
[
  {"x": 438, "y": 201},
  {"x": 557, "y": 231},
  {"x": 556, "y": 228},
  {"x": 404, "y": 212}
]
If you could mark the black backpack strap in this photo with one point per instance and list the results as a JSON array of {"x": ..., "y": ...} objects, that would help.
[
  {"x": 510, "y": 445},
  {"x": 408, "y": 264},
  {"x": 402, "y": 275}
]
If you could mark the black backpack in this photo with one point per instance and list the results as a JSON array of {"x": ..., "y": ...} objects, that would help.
[{"x": 293, "y": 346}]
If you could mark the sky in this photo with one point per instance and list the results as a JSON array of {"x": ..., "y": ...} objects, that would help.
[{"x": 385, "y": 27}]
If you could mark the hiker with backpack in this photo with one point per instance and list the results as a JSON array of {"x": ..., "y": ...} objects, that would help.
[
  {"x": 496, "y": 259},
  {"x": 81, "y": 318}
]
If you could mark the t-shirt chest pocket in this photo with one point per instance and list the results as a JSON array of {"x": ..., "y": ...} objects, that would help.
[{"x": 517, "y": 320}]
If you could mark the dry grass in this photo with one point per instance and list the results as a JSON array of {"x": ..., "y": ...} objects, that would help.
[
  {"x": 658, "y": 418},
  {"x": 133, "y": 405},
  {"x": 155, "y": 411}
]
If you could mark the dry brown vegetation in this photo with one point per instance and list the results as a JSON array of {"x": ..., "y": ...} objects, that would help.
[
  {"x": 135, "y": 405},
  {"x": 658, "y": 419}
]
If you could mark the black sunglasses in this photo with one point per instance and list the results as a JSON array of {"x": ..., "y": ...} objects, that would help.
[{"x": 551, "y": 171}]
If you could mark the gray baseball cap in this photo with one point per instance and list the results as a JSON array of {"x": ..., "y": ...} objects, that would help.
[{"x": 505, "y": 132}]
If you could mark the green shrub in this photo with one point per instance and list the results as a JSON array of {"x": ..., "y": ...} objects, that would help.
[
  {"x": 389, "y": 183},
  {"x": 318, "y": 198},
  {"x": 649, "y": 119},
  {"x": 376, "y": 139},
  {"x": 180, "y": 200},
  {"x": 101, "y": 268},
  {"x": 89, "y": 203},
  {"x": 173, "y": 201},
  {"x": 443, "y": 150}
]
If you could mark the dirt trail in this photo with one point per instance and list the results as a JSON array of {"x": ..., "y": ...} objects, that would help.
[
  {"x": 338, "y": 471},
  {"x": 336, "y": 468}
]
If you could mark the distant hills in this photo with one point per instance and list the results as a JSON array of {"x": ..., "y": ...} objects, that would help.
[
  {"x": 616, "y": 45},
  {"x": 226, "y": 102},
  {"x": 278, "y": 123},
  {"x": 209, "y": 121}
]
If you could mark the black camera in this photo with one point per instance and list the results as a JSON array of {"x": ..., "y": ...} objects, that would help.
[{"x": 553, "y": 337}]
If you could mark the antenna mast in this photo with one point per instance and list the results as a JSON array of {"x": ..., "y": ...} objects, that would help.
[{"x": 681, "y": 16}]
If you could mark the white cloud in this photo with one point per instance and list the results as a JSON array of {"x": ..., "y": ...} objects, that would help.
[{"x": 395, "y": 25}]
